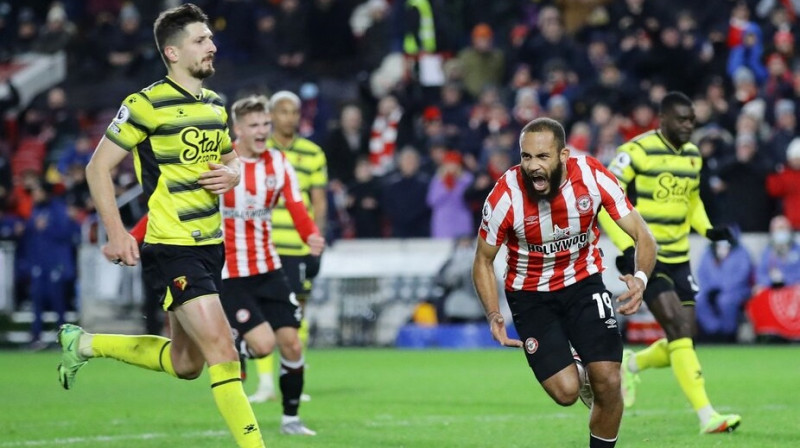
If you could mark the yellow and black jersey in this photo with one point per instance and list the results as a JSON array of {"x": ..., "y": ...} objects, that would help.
[
  {"x": 311, "y": 167},
  {"x": 174, "y": 135},
  {"x": 665, "y": 190}
]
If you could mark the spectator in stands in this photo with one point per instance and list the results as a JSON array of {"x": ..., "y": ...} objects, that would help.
[
  {"x": 725, "y": 276},
  {"x": 499, "y": 161},
  {"x": 404, "y": 198},
  {"x": 744, "y": 177},
  {"x": 49, "y": 241},
  {"x": 264, "y": 41},
  {"x": 783, "y": 132},
  {"x": 780, "y": 261},
  {"x": 345, "y": 144},
  {"x": 642, "y": 119},
  {"x": 57, "y": 32},
  {"x": 785, "y": 184},
  {"x": 450, "y": 215},
  {"x": 550, "y": 43},
  {"x": 712, "y": 148},
  {"x": 363, "y": 201},
  {"x": 747, "y": 53},
  {"x": 290, "y": 35},
  {"x": 391, "y": 128},
  {"x": 482, "y": 63},
  {"x": 129, "y": 44},
  {"x": 27, "y": 31},
  {"x": 455, "y": 111},
  {"x": 61, "y": 118},
  {"x": 371, "y": 26}
]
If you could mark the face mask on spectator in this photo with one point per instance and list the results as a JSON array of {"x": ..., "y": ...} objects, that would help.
[{"x": 782, "y": 237}]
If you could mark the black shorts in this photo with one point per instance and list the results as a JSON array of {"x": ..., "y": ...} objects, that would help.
[
  {"x": 300, "y": 270},
  {"x": 581, "y": 314},
  {"x": 183, "y": 273},
  {"x": 672, "y": 277},
  {"x": 250, "y": 301}
]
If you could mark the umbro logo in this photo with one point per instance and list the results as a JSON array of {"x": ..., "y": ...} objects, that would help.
[
  {"x": 531, "y": 220},
  {"x": 611, "y": 323},
  {"x": 249, "y": 428}
]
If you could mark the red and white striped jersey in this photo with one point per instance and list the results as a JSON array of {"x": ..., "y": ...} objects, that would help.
[
  {"x": 552, "y": 244},
  {"x": 247, "y": 214}
]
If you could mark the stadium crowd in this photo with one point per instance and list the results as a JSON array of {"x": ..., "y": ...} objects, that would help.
[{"x": 417, "y": 103}]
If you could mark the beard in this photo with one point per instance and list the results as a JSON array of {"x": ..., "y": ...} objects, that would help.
[
  {"x": 554, "y": 180},
  {"x": 201, "y": 73}
]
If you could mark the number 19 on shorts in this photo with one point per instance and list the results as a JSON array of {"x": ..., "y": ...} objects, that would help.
[{"x": 603, "y": 301}]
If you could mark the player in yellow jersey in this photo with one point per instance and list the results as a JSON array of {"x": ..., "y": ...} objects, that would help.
[
  {"x": 310, "y": 165},
  {"x": 661, "y": 170},
  {"x": 178, "y": 134}
]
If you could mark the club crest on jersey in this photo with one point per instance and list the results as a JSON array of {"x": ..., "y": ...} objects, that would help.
[
  {"x": 181, "y": 282},
  {"x": 242, "y": 315},
  {"x": 531, "y": 345},
  {"x": 584, "y": 204}
]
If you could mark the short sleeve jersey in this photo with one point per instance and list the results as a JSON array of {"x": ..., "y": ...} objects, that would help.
[
  {"x": 552, "y": 244},
  {"x": 173, "y": 136},
  {"x": 666, "y": 183},
  {"x": 247, "y": 211},
  {"x": 311, "y": 167}
]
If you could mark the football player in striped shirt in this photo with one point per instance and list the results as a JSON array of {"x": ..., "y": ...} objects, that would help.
[
  {"x": 663, "y": 168},
  {"x": 544, "y": 211},
  {"x": 258, "y": 299},
  {"x": 178, "y": 134},
  {"x": 311, "y": 168}
]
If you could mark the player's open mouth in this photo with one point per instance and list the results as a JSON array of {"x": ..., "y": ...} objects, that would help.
[
  {"x": 539, "y": 182},
  {"x": 260, "y": 140}
]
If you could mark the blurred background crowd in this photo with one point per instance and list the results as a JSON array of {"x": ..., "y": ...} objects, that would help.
[{"x": 417, "y": 103}]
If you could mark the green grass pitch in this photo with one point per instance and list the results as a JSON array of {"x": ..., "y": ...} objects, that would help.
[{"x": 391, "y": 398}]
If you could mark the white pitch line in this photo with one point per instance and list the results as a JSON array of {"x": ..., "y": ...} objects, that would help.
[{"x": 106, "y": 439}]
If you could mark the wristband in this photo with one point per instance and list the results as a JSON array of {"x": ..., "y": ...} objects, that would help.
[{"x": 641, "y": 276}]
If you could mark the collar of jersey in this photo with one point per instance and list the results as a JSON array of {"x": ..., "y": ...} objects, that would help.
[
  {"x": 667, "y": 142},
  {"x": 182, "y": 90}
]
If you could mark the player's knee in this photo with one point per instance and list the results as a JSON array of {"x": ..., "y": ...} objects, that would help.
[
  {"x": 188, "y": 371},
  {"x": 292, "y": 349},
  {"x": 565, "y": 398},
  {"x": 261, "y": 349},
  {"x": 607, "y": 387}
]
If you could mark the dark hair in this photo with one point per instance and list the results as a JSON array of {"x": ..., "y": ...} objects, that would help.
[
  {"x": 171, "y": 23},
  {"x": 249, "y": 104},
  {"x": 546, "y": 124},
  {"x": 673, "y": 99}
]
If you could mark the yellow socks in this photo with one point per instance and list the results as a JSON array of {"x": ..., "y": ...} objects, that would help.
[
  {"x": 150, "y": 352},
  {"x": 266, "y": 365},
  {"x": 302, "y": 332},
  {"x": 686, "y": 368},
  {"x": 226, "y": 385},
  {"x": 656, "y": 355}
]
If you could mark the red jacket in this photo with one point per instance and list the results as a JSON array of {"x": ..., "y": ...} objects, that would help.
[{"x": 786, "y": 185}]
